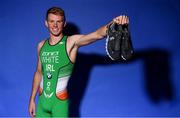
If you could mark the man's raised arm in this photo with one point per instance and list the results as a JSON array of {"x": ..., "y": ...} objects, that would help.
[{"x": 81, "y": 40}]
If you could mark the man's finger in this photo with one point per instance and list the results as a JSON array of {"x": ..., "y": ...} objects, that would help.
[
  {"x": 31, "y": 114},
  {"x": 124, "y": 19},
  {"x": 34, "y": 110},
  {"x": 127, "y": 20},
  {"x": 117, "y": 20},
  {"x": 120, "y": 19}
]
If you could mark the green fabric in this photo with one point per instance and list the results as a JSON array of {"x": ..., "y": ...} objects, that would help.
[{"x": 55, "y": 64}]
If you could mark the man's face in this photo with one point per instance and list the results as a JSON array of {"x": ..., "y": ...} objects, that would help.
[{"x": 55, "y": 24}]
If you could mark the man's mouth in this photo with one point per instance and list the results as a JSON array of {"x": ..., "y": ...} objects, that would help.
[{"x": 55, "y": 29}]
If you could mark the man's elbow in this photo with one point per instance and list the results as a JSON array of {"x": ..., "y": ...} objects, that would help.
[{"x": 38, "y": 72}]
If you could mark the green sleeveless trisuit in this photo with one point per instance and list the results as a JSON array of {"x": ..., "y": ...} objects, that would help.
[{"x": 56, "y": 71}]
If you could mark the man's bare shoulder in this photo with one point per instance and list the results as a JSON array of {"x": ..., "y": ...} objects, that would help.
[
  {"x": 72, "y": 39},
  {"x": 75, "y": 37},
  {"x": 40, "y": 44}
]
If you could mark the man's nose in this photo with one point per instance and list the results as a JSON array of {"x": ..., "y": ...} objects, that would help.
[{"x": 55, "y": 24}]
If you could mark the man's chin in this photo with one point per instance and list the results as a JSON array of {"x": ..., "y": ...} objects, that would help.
[{"x": 56, "y": 34}]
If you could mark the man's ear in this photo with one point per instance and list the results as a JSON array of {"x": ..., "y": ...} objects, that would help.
[
  {"x": 46, "y": 24},
  {"x": 65, "y": 24}
]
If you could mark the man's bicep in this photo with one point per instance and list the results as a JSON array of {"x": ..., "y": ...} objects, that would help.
[
  {"x": 75, "y": 39},
  {"x": 82, "y": 40},
  {"x": 39, "y": 66}
]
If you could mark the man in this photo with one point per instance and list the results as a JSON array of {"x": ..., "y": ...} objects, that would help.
[{"x": 56, "y": 57}]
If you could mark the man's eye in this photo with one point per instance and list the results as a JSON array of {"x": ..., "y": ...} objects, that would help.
[
  {"x": 51, "y": 21},
  {"x": 59, "y": 21}
]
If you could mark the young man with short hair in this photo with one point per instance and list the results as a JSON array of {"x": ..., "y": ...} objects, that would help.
[{"x": 56, "y": 58}]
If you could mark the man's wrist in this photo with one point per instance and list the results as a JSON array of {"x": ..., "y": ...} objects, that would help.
[{"x": 32, "y": 98}]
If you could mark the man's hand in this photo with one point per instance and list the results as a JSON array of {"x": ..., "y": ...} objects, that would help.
[
  {"x": 32, "y": 108},
  {"x": 121, "y": 20},
  {"x": 118, "y": 42}
]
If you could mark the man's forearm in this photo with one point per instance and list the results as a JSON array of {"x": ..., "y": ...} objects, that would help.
[
  {"x": 35, "y": 86},
  {"x": 102, "y": 31},
  {"x": 81, "y": 40}
]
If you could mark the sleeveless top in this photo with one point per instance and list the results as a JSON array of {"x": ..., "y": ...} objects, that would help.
[{"x": 56, "y": 69}]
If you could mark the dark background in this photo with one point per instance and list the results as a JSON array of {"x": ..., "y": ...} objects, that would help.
[{"x": 148, "y": 85}]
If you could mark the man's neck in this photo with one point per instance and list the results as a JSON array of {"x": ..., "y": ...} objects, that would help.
[{"x": 54, "y": 39}]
